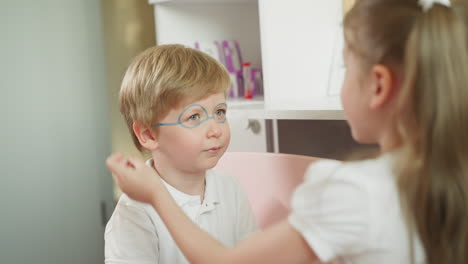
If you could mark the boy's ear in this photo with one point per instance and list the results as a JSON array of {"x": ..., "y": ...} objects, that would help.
[
  {"x": 145, "y": 135},
  {"x": 382, "y": 86}
]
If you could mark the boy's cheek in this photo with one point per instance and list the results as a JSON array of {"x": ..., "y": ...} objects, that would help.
[
  {"x": 227, "y": 142},
  {"x": 227, "y": 133}
]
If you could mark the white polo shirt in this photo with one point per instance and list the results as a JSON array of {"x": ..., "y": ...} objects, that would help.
[{"x": 136, "y": 234}]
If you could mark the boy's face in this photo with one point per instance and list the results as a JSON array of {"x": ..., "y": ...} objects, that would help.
[{"x": 194, "y": 136}]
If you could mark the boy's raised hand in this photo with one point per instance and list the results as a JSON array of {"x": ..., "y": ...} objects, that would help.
[{"x": 134, "y": 178}]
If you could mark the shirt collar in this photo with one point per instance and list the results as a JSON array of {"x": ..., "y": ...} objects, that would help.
[
  {"x": 211, "y": 192},
  {"x": 181, "y": 198}
]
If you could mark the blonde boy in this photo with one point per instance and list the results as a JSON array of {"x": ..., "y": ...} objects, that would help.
[{"x": 173, "y": 99}]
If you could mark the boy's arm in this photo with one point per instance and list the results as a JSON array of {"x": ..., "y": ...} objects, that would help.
[
  {"x": 130, "y": 236},
  {"x": 279, "y": 244}
]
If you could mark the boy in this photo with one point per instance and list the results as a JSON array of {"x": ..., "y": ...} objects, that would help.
[{"x": 174, "y": 102}]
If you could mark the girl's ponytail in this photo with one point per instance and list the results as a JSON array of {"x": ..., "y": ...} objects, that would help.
[{"x": 433, "y": 121}]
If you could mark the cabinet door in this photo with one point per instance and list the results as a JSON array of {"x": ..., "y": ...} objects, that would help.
[
  {"x": 301, "y": 51},
  {"x": 248, "y": 135}
]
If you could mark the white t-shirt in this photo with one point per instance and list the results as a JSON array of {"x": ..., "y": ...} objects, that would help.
[
  {"x": 136, "y": 234},
  {"x": 350, "y": 213}
]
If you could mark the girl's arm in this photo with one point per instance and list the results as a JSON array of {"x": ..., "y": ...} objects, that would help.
[{"x": 278, "y": 244}]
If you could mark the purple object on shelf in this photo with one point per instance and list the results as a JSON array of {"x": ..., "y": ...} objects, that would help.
[
  {"x": 237, "y": 85},
  {"x": 257, "y": 80},
  {"x": 212, "y": 48},
  {"x": 228, "y": 53},
  {"x": 232, "y": 56}
]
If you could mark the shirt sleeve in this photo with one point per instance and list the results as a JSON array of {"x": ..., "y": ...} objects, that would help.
[
  {"x": 130, "y": 236},
  {"x": 331, "y": 211}
]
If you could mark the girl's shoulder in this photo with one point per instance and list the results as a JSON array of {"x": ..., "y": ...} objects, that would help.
[
  {"x": 362, "y": 172},
  {"x": 335, "y": 207}
]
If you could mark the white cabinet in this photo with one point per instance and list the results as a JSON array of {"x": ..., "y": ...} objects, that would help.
[
  {"x": 185, "y": 22},
  {"x": 248, "y": 135},
  {"x": 298, "y": 43}
]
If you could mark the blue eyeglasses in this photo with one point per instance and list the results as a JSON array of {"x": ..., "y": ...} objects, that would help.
[{"x": 195, "y": 115}]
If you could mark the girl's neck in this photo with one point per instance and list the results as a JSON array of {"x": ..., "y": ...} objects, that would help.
[{"x": 389, "y": 141}]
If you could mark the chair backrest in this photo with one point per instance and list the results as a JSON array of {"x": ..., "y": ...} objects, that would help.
[{"x": 268, "y": 179}]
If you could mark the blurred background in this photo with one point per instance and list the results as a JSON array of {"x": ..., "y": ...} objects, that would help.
[{"x": 61, "y": 66}]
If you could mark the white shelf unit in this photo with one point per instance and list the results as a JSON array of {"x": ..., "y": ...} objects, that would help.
[
  {"x": 297, "y": 44},
  {"x": 186, "y": 22},
  {"x": 255, "y": 109}
]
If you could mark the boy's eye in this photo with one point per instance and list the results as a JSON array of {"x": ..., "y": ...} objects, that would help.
[
  {"x": 194, "y": 117},
  {"x": 220, "y": 112}
]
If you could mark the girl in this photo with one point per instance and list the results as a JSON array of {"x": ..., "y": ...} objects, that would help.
[{"x": 405, "y": 89}]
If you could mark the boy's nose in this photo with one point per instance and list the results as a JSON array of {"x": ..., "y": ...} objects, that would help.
[{"x": 214, "y": 129}]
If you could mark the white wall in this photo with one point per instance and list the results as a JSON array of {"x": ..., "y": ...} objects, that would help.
[{"x": 54, "y": 132}]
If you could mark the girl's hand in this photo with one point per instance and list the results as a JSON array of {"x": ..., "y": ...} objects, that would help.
[{"x": 134, "y": 178}]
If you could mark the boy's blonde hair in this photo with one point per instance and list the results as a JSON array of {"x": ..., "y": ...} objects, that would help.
[
  {"x": 429, "y": 49},
  {"x": 161, "y": 77}
]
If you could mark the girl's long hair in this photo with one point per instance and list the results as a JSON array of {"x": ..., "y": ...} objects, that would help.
[{"x": 429, "y": 50}]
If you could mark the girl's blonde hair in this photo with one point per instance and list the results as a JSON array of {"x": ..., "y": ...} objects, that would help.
[
  {"x": 161, "y": 77},
  {"x": 429, "y": 50}
]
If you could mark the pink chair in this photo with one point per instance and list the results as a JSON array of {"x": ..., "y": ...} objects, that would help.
[{"x": 269, "y": 180}]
